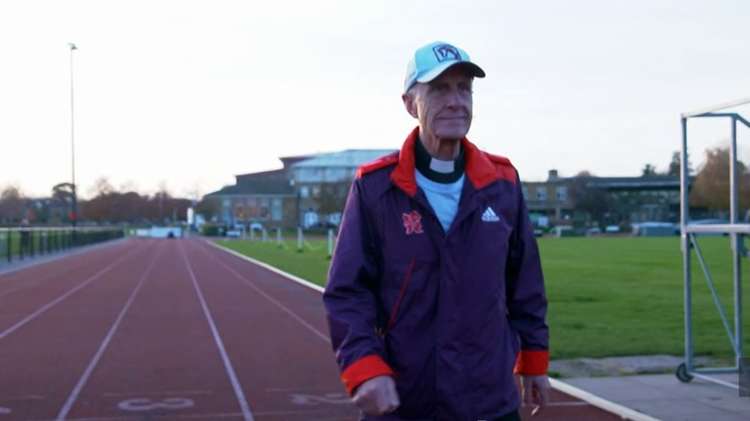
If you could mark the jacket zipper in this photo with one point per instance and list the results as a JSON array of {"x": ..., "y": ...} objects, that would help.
[{"x": 401, "y": 294}]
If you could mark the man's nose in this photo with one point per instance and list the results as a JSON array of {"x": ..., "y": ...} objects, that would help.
[{"x": 454, "y": 98}]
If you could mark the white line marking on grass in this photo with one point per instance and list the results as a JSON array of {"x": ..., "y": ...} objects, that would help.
[
  {"x": 54, "y": 302},
  {"x": 219, "y": 343},
  {"x": 592, "y": 399},
  {"x": 267, "y": 266},
  {"x": 98, "y": 355},
  {"x": 286, "y": 309},
  {"x": 4, "y": 410}
]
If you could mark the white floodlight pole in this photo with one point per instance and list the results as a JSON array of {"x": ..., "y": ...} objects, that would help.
[{"x": 72, "y": 141}]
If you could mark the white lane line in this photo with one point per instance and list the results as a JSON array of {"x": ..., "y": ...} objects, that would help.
[
  {"x": 248, "y": 416},
  {"x": 284, "y": 308},
  {"x": 609, "y": 406},
  {"x": 95, "y": 360},
  {"x": 54, "y": 302}
]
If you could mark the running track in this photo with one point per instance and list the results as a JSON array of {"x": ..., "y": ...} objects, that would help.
[{"x": 173, "y": 330}]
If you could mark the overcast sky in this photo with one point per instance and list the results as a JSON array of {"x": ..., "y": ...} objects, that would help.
[{"x": 187, "y": 94}]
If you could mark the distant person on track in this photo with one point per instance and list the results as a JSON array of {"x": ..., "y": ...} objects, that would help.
[{"x": 435, "y": 294}]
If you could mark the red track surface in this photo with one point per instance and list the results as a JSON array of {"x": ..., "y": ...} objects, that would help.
[{"x": 162, "y": 329}]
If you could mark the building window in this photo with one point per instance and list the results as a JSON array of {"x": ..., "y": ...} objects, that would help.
[
  {"x": 562, "y": 193},
  {"x": 541, "y": 193},
  {"x": 525, "y": 191},
  {"x": 316, "y": 191},
  {"x": 276, "y": 210},
  {"x": 304, "y": 191}
]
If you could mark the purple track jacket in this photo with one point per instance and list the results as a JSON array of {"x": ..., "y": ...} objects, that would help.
[{"x": 449, "y": 315}]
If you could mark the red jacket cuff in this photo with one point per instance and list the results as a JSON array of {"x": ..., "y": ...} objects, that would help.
[
  {"x": 532, "y": 363},
  {"x": 364, "y": 369}
]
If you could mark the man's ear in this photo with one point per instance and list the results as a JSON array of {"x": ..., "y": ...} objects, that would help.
[{"x": 410, "y": 104}]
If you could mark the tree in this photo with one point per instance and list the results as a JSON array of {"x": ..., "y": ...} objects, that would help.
[
  {"x": 711, "y": 186},
  {"x": 648, "y": 170},
  {"x": 12, "y": 205},
  {"x": 674, "y": 165},
  {"x": 209, "y": 207},
  {"x": 101, "y": 187},
  {"x": 333, "y": 197},
  {"x": 589, "y": 198},
  {"x": 62, "y": 192}
]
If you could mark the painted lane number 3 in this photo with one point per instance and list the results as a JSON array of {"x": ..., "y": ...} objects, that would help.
[{"x": 145, "y": 404}]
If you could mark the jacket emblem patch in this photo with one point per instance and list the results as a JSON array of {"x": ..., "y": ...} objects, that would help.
[
  {"x": 489, "y": 215},
  {"x": 412, "y": 222}
]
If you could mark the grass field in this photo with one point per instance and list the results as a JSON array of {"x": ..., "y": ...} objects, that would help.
[{"x": 607, "y": 296}]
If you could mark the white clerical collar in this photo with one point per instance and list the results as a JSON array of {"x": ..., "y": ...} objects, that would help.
[{"x": 445, "y": 167}]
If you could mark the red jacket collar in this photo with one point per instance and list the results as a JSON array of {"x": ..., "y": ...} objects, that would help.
[{"x": 479, "y": 169}]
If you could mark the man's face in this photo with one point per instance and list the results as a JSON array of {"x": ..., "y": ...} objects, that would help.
[{"x": 443, "y": 106}]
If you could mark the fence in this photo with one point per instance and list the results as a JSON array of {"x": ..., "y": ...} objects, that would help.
[{"x": 20, "y": 243}]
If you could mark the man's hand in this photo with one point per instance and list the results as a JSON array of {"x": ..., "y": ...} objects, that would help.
[
  {"x": 535, "y": 391},
  {"x": 377, "y": 396}
]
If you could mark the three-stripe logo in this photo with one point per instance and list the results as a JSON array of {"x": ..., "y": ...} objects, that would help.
[{"x": 489, "y": 215}]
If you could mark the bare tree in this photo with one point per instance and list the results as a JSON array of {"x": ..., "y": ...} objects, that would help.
[
  {"x": 101, "y": 186},
  {"x": 588, "y": 198},
  {"x": 12, "y": 205}
]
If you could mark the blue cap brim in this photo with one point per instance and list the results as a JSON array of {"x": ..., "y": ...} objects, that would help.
[{"x": 471, "y": 69}]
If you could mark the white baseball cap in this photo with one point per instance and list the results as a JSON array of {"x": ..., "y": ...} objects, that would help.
[{"x": 431, "y": 60}]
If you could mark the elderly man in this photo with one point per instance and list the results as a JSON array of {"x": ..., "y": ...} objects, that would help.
[{"x": 435, "y": 291}]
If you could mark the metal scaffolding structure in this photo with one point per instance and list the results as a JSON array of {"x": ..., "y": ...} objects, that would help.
[{"x": 735, "y": 229}]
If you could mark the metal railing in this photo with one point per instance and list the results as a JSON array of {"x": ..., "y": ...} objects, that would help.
[
  {"x": 19, "y": 243},
  {"x": 689, "y": 246}
]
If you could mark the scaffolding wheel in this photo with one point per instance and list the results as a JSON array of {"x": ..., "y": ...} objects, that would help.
[{"x": 682, "y": 374}]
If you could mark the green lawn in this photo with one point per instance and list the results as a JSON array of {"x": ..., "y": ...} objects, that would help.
[{"x": 607, "y": 296}]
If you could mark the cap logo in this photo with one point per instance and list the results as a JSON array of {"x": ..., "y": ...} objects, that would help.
[{"x": 445, "y": 52}]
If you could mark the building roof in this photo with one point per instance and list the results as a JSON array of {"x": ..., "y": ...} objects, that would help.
[
  {"x": 255, "y": 187},
  {"x": 262, "y": 176},
  {"x": 653, "y": 182},
  {"x": 350, "y": 158}
]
